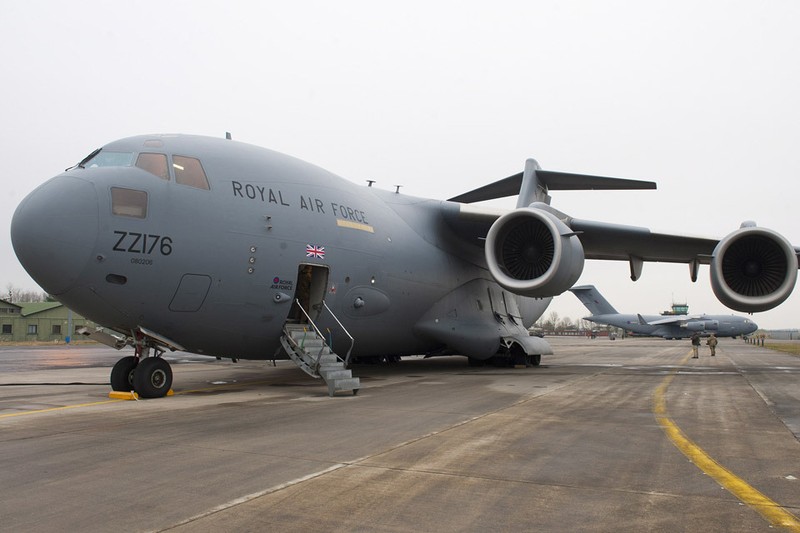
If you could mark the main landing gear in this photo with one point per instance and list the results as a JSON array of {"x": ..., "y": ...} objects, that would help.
[{"x": 149, "y": 376}]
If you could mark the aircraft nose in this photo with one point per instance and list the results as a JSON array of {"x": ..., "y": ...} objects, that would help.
[{"x": 54, "y": 231}]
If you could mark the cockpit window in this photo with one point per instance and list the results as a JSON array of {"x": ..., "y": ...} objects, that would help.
[
  {"x": 154, "y": 164},
  {"x": 128, "y": 202},
  {"x": 189, "y": 171},
  {"x": 104, "y": 158}
]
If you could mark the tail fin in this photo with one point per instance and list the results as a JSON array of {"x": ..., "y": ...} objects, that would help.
[{"x": 593, "y": 300}]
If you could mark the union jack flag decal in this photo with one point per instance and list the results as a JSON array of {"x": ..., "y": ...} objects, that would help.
[{"x": 315, "y": 252}]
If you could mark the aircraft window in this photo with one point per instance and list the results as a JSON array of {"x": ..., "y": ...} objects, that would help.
[
  {"x": 189, "y": 171},
  {"x": 154, "y": 164},
  {"x": 128, "y": 202},
  {"x": 104, "y": 158}
]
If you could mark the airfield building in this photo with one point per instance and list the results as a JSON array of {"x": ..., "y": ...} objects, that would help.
[{"x": 38, "y": 321}]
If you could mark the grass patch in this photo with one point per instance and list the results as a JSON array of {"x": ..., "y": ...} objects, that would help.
[{"x": 788, "y": 347}]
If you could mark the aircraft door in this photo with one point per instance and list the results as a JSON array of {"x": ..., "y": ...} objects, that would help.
[{"x": 311, "y": 287}]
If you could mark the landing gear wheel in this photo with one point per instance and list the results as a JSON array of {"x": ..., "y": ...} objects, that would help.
[
  {"x": 122, "y": 374},
  {"x": 152, "y": 378},
  {"x": 536, "y": 359}
]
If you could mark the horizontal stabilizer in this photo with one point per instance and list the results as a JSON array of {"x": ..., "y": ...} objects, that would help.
[{"x": 553, "y": 181}]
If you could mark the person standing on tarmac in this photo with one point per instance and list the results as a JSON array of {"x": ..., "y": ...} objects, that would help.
[
  {"x": 712, "y": 344},
  {"x": 695, "y": 345}
]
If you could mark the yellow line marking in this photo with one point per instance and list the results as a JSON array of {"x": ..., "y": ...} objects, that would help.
[
  {"x": 354, "y": 225},
  {"x": 62, "y": 408},
  {"x": 771, "y": 511},
  {"x": 117, "y": 400}
]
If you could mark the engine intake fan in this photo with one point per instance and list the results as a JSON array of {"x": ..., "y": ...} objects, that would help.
[
  {"x": 753, "y": 269},
  {"x": 532, "y": 253}
]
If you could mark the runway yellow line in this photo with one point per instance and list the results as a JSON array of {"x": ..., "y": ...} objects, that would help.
[
  {"x": 771, "y": 511},
  {"x": 62, "y": 408},
  {"x": 117, "y": 400}
]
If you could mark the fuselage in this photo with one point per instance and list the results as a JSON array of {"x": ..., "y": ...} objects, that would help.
[
  {"x": 719, "y": 325},
  {"x": 209, "y": 242}
]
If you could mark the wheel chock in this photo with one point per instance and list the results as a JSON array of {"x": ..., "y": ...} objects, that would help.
[
  {"x": 123, "y": 395},
  {"x": 131, "y": 395}
]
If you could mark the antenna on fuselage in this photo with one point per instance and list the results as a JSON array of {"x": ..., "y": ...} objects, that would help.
[
  {"x": 370, "y": 182},
  {"x": 228, "y": 135},
  {"x": 397, "y": 189}
]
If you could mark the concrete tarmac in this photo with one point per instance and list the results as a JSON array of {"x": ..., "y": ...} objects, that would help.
[{"x": 604, "y": 436}]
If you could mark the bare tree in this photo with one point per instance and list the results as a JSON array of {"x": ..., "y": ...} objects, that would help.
[
  {"x": 565, "y": 323},
  {"x": 15, "y": 294}
]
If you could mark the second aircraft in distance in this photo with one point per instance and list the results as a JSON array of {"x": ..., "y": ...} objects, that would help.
[{"x": 669, "y": 326}]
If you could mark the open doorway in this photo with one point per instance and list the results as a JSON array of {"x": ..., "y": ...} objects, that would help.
[{"x": 312, "y": 284}]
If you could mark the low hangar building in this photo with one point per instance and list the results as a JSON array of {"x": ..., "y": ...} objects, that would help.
[{"x": 38, "y": 321}]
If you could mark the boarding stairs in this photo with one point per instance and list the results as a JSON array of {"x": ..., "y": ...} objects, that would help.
[{"x": 306, "y": 346}]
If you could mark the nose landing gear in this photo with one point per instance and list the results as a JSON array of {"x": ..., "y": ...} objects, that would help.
[
  {"x": 148, "y": 376},
  {"x": 122, "y": 374},
  {"x": 152, "y": 378}
]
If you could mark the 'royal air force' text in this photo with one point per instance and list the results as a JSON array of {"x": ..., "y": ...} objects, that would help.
[{"x": 307, "y": 203}]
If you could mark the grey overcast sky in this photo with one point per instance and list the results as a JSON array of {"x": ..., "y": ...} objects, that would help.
[{"x": 702, "y": 97}]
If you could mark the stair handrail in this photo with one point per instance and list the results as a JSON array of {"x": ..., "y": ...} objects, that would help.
[
  {"x": 321, "y": 336},
  {"x": 352, "y": 340}
]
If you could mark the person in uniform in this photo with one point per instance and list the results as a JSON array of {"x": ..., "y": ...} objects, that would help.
[
  {"x": 695, "y": 345},
  {"x": 712, "y": 344}
]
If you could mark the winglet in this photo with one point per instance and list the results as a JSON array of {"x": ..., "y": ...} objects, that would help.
[{"x": 642, "y": 321}]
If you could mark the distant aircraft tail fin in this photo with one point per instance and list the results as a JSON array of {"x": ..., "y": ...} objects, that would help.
[{"x": 593, "y": 300}]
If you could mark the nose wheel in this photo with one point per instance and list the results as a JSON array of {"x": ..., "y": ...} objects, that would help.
[
  {"x": 122, "y": 374},
  {"x": 150, "y": 378}
]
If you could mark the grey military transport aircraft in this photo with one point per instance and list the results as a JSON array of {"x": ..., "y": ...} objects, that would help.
[
  {"x": 212, "y": 246},
  {"x": 667, "y": 326}
]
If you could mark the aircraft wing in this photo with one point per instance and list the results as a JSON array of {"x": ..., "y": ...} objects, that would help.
[
  {"x": 677, "y": 320},
  {"x": 537, "y": 251},
  {"x": 600, "y": 240}
]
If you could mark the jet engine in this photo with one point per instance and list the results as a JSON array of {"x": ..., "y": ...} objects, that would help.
[
  {"x": 702, "y": 325},
  {"x": 753, "y": 269},
  {"x": 532, "y": 253}
]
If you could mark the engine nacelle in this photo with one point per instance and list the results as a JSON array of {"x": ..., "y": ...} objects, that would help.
[
  {"x": 702, "y": 325},
  {"x": 531, "y": 252},
  {"x": 753, "y": 269}
]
